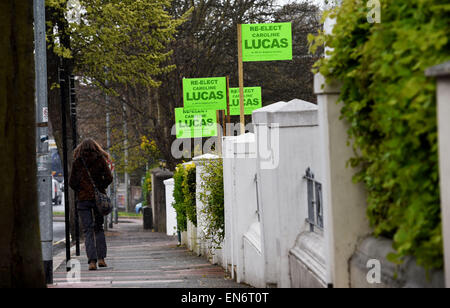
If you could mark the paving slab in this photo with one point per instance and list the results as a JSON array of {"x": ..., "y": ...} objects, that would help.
[{"x": 139, "y": 258}]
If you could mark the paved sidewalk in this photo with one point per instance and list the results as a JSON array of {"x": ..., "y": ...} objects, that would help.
[{"x": 138, "y": 258}]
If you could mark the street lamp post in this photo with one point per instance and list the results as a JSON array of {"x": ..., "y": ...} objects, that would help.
[
  {"x": 73, "y": 114},
  {"x": 43, "y": 157}
]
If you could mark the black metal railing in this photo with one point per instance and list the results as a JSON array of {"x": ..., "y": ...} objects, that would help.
[{"x": 315, "y": 201}]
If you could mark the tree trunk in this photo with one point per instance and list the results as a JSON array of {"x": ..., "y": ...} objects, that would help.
[{"x": 20, "y": 248}]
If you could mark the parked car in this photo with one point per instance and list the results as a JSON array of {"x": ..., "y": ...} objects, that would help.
[
  {"x": 138, "y": 208},
  {"x": 56, "y": 192}
]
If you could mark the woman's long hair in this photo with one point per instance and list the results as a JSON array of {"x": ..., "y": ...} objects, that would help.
[{"x": 89, "y": 145}]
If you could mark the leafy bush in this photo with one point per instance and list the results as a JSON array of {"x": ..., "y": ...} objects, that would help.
[
  {"x": 390, "y": 106},
  {"x": 147, "y": 188},
  {"x": 189, "y": 189},
  {"x": 178, "y": 196},
  {"x": 212, "y": 196},
  {"x": 184, "y": 195}
]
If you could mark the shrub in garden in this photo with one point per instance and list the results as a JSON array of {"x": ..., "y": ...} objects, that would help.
[
  {"x": 189, "y": 189},
  {"x": 391, "y": 110},
  {"x": 178, "y": 196},
  {"x": 147, "y": 188},
  {"x": 212, "y": 196},
  {"x": 184, "y": 195}
]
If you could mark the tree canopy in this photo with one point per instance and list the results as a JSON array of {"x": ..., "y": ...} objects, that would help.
[
  {"x": 198, "y": 39},
  {"x": 123, "y": 42}
]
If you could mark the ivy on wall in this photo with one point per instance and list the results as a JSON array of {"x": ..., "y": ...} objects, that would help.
[
  {"x": 184, "y": 194},
  {"x": 189, "y": 189},
  {"x": 212, "y": 196},
  {"x": 391, "y": 110},
  {"x": 179, "y": 205},
  {"x": 146, "y": 188}
]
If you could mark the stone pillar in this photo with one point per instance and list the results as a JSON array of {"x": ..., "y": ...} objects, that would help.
[
  {"x": 281, "y": 164},
  {"x": 240, "y": 201},
  {"x": 203, "y": 244},
  {"x": 171, "y": 215},
  {"x": 442, "y": 74},
  {"x": 159, "y": 198},
  {"x": 192, "y": 240},
  {"x": 345, "y": 218}
]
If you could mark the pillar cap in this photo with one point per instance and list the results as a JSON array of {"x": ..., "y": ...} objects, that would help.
[
  {"x": 170, "y": 181},
  {"x": 291, "y": 114},
  {"x": 158, "y": 172},
  {"x": 239, "y": 145},
  {"x": 206, "y": 156},
  {"x": 441, "y": 70}
]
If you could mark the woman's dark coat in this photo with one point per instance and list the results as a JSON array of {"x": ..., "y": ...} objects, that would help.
[{"x": 100, "y": 172}]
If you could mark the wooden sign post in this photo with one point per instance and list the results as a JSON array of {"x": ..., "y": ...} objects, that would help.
[
  {"x": 241, "y": 80},
  {"x": 228, "y": 121},
  {"x": 220, "y": 121}
]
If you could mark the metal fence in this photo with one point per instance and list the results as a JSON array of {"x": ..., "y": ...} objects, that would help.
[{"x": 315, "y": 201}]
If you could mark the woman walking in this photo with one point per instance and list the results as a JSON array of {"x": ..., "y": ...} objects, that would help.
[{"x": 89, "y": 156}]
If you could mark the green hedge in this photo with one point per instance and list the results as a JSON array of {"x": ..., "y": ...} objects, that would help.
[
  {"x": 189, "y": 189},
  {"x": 212, "y": 196},
  {"x": 184, "y": 195},
  {"x": 390, "y": 106},
  {"x": 179, "y": 206},
  {"x": 147, "y": 188}
]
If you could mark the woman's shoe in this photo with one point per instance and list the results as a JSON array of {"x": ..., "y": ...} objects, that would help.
[
  {"x": 93, "y": 266},
  {"x": 102, "y": 263}
]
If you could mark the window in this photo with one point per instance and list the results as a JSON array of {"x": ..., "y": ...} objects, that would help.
[{"x": 315, "y": 201}]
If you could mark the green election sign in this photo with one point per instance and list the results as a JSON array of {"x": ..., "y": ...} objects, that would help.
[
  {"x": 267, "y": 42},
  {"x": 195, "y": 123},
  {"x": 205, "y": 93},
  {"x": 252, "y": 100}
]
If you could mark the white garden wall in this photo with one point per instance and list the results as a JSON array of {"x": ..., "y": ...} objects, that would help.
[
  {"x": 291, "y": 131},
  {"x": 442, "y": 74},
  {"x": 171, "y": 215},
  {"x": 346, "y": 223},
  {"x": 242, "y": 249}
]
